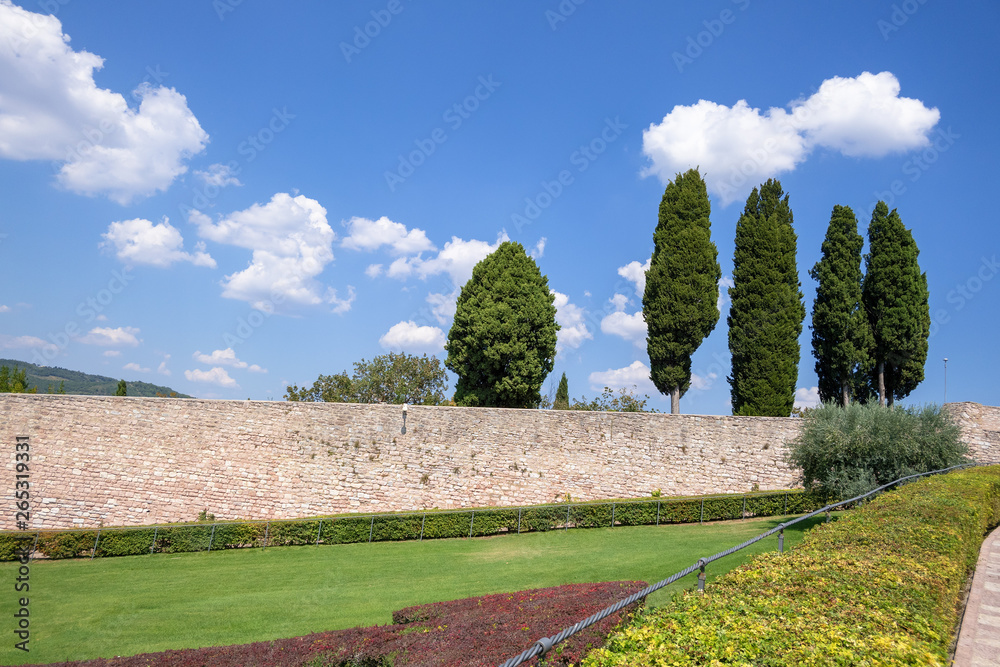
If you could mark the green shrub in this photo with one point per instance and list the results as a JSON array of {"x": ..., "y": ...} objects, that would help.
[
  {"x": 845, "y": 452},
  {"x": 880, "y": 586}
]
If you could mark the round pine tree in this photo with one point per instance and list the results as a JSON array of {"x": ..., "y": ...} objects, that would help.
[
  {"x": 841, "y": 338},
  {"x": 895, "y": 296},
  {"x": 502, "y": 343},
  {"x": 766, "y": 314},
  {"x": 680, "y": 302}
]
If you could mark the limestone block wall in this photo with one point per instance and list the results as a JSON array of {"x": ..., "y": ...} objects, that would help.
[{"x": 130, "y": 461}]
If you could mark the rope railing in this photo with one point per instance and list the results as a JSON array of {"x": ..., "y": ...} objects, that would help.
[{"x": 545, "y": 644}]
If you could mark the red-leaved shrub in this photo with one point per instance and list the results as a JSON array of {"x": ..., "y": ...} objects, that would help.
[{"x": 472, "y": 632}]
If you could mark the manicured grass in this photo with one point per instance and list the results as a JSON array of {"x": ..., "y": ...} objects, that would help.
[{"x": 123, "y": 606}]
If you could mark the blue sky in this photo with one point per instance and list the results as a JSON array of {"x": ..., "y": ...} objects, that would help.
[{"x": 228, "y": 197}]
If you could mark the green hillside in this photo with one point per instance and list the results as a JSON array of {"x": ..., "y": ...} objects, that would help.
[{"x": 75, "y": 382}]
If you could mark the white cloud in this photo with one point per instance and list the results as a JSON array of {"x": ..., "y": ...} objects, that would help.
[
  {"x": 132, "y": 366},
  {"x": 218, "y": 175},
  {"x": 17, "y": 342},
  {"x": 703, "y": 383},
  {"x": 112, "y": 353},
  {"x": 140, "y": 241},
  {"x": 340, "y": 306},
  {"x": 162, "y": 368},
  {"x": 409, "y": 337},
  {"x": 109, "y": 337},
  {"x": 635, "y": 273},
  {"x": 635, "y": 374},
  {"x": 630, "y": 327},
  {"x": 4, "y": 309},
  {"x": 738, "y": 147},
  {"x": 217, "y": 375},
  {"x": 373, "y": 270},
  {"x": 725, "y": 282},
  {"x": 52, "y": 109},
  {"x": 226, "y": 357},
  {"x": 457, "y": 259},
  {"x": 291, "y": 243},
  {"x": 573, "y": 327},
  {"x": 806, "y": 397},
  {"x": 443, "y": 306},
  {"x": 365, "y": 234},
  {"x": 539, "y": 249}
]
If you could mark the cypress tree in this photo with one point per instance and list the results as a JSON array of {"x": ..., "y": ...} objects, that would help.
[
  {"x": 122, "y": 389},
  {"x": 562, "y": 395},
  {"x": 766, "y": 314},
  {"x": 841, "y": 336},
  {"x": 502, "y": 343},
  {"x": 895, "y": 296},
  {"x": 680, "y": 303}
]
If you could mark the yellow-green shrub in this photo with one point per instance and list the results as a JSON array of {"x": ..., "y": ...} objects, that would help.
[{"x": 878, "y": 587}]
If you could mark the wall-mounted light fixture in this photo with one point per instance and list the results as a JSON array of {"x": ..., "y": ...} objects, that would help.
[{"x": 403, "y": 430}]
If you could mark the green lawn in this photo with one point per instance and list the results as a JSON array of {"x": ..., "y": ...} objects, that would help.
[{"x": 123, "y": 606}]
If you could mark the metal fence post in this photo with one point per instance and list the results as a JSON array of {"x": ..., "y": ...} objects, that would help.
[
  {"x": 371, "y": 531},
  {"x": 319, "y": 532},
  {"x": 743, "y": 514},
  {"x": 828, "y": 516},
  {"x": 701, "y": 574},
  {"x": 657, "y": 512},
  {"x": 95, "y": 544},
  {"x": 422, "y": 522},
  {"x": 267, "y": 530},
  {"x": 153, "y": 545},
  {"x": 471, "y": 523},
  {"x": 702, "y": 518},
  {"x": 212, "y": 537},
  {"x": 567, "y": 516},
  {"x": 786, "y": 502},
  {"x": 518, "y": 520},
  {"x": 781, "y": 540}
]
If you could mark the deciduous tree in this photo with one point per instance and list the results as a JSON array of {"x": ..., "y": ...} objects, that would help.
[{"x": 388, "y": 378}]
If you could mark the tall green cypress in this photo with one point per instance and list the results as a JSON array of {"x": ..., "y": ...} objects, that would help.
[
  {"x": 841, "y": 338},
  {"x": 895, "y": 296},
  {"x": 502, "y": 342},
  {"x": 680, "y": 303},
  {"x": 562, "y": 395},
  {"x": 766, "y": 314}
]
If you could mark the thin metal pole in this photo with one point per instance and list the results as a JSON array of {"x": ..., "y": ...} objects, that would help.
[
  {"x": 743, "y": 515},
  {"x": 267, "y": 530},
  {"x": 211, "y": 538},
  {"x": 95, "y": 544},
  {"x": 786, "y": 502},
  {"x": 781, "y": 541},
  {"x": 657, "y": 512},
  {"x": 518, "y": 520},
  {"x": 702, "y": 519},
  {"x": 471, "y": 523},
  {"x": 828, "y": 516},
  {"x": 319, "y": 532},
  {"x": 612, "y": 515},
  {"x": 153, "y": 545},
  {"x": 371, "y": 531},
  {"x": 701, "y": 576},
  {"x": 422, "y": 522}
]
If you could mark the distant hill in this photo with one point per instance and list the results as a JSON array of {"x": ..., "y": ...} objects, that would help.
[{"x": 76, "y": 382}]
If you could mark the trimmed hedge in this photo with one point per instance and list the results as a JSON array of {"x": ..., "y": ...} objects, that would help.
[
  {"x": 880, "y": 586},
  {"x": 180, "y": 538}
]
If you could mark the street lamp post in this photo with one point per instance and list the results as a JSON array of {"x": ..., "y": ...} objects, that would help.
[{"x": 946, "y": 379}]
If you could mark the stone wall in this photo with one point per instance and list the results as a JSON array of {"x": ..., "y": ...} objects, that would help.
[{"x": 126, "y": 461}]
